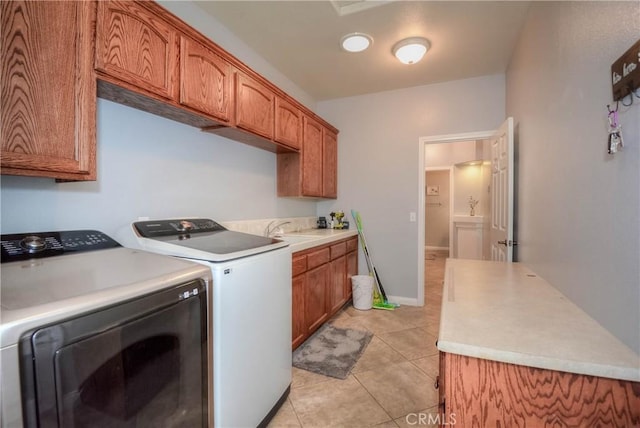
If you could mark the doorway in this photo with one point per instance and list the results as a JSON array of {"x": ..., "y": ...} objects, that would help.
[{"x": 425, "y": 145}]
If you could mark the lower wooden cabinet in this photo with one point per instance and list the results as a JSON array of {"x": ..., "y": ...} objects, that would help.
[
  {"x": 316, "y": 294},
  {"x": 321, "y": 285},
  {"x": 299, "y": 331}
]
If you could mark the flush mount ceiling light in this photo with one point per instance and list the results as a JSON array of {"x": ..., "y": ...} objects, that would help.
[
  {"x": 356, "y": 42},
  {"x": 411, "y": 50}
]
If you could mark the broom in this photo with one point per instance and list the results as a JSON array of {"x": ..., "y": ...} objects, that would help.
[{"x": 379, "y": 296}]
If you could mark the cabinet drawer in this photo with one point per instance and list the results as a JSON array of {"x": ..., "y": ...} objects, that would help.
[
  {"x": 299, "y": 265},
  {"x": 338, "y": 250},
  {"x": 352, "y": 245},
  {"x": 318, "y": 258}
]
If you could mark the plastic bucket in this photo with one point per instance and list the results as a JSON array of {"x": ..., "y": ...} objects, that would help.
[{"x": 362, "y": 287}]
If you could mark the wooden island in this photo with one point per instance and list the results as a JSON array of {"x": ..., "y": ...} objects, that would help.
[{"x": 515, "y": 352}]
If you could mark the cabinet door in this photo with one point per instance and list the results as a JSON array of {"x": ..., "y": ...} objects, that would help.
[
  {"x": 316, "y": 287},
  {"x": 254, "y": 106},
  {"x": 288, "y": 126},
  {"x": 299, "y": 331},
  {"x": 138, "y": 47},
  {"x": 205, "y": 80},
  {"x": 337, "y": 295},
  {"x": 330, "y": 165},
  {"x": 48, "y": 89},
  {"x": 352, "y": 269},
  {"x": 311, "y": 158}
]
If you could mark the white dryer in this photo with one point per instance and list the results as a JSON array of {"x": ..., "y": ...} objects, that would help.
[{"x": 251, "y": 312}]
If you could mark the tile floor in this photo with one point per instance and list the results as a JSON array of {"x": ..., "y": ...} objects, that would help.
[{"x": 392, "y": 383}]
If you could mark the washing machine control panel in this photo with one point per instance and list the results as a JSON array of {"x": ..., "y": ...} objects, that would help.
[
  {"x": 163, "y": 228},
  {"x": 24, "y": 246}
]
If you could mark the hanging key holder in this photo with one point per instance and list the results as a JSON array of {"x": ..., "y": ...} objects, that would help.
[{"x": 614, "y": 143}]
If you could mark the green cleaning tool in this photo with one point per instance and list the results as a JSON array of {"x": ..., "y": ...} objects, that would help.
[{"x": 379, "y": 296}]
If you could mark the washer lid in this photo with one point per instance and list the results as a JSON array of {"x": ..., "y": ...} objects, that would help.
[{"x": 201, "y": 239}]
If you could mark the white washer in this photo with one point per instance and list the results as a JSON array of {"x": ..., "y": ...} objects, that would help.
[{"x": 251, "y": 311}]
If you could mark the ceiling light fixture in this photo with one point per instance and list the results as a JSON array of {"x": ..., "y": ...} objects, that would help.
[
  {"x": 411, "y": 50},
  {"x": 356, "y": 42}
]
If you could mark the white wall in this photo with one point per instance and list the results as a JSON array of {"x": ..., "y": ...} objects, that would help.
[
  {"x": 378, "y": 161},
  {"x": 468, "y": 181},
  {"x": 578, "y": 207},
  {"x": 437, "y": 216},
  {"x": 150, "y": 166},
  {"x": 448, "y": 154}
]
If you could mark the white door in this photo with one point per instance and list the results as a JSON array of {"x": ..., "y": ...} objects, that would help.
[{"x": 502, "y": 193}]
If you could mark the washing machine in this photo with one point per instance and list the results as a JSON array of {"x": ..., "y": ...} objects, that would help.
[{"x": 251, "y": 311}]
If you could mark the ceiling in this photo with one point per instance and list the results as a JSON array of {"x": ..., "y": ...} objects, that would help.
[{"x": 301, "y": 39}]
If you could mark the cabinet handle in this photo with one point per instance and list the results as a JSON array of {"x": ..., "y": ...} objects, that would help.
[{"x": 437, "y": 384}]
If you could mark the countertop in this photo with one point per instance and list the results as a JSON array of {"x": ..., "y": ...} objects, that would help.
[
  {"x": 505, "y": 312},
  {"x": 310, "y": 238}
]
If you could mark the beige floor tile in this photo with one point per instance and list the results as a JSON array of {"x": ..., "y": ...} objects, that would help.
[
  {"x": 301, "y": 378},
  {"x": 285, "y": 418},
  {"x": 344, "y": 320},
  {"x": 381, "y": 321},
  {"x": 425, "y": 418},
  {"x": 377, "y": 355},
  {"x": 337, "y": 403},
  {"x": 387, "y": 424},
  {"x": 430, "y": 365},
  {"x": 412, "y": 343},
  {"x": 400, "y": 388}
]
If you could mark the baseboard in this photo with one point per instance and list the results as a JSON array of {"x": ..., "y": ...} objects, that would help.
[
  {"x": 429, "y": 247},
  {"x": 403, "y": 300}
]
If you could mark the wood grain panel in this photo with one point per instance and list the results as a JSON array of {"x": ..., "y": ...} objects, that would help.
[
  {"x": 298, "y": 330},
  {"x": 337, "y": 290},
  {"x": 254, "y": 106},
  {"x": 47, "y": 90},
  {"x": 352, "y": 269},
  {"x": 311, "y": 158},
  {"x": 138, "y": 47},
  {"x": 330, "y": 165},
  {"x": 338, "y": 249},
  {"x": 318, "y": 257},
  {"x": 489, "y": 393},
  {"x": 288, "y": 125},
  {"x": 298, "y": 265},
  {"x": 352, "y": 244},
  {"x": 205, "y": 79},
  {"x": 315, "y": 296}
]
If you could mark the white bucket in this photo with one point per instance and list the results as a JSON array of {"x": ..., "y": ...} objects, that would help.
[{"x": 362, "y": 287}]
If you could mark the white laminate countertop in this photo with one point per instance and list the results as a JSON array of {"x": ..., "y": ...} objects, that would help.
[
  {"x": 310, "y": 238},
  {"x": 505, "y": 312}
]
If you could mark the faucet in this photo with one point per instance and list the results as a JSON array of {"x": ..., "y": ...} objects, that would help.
[{"x": 276, "y": 229}]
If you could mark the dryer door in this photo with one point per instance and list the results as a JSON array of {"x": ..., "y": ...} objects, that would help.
[{"x": 139, "y": 364}]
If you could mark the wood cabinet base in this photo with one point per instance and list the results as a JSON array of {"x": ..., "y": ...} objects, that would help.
[{"x": 477, "y": 392}]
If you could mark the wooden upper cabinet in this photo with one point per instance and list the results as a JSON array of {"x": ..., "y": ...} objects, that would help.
[
  {"x": 137, "y": 47},
  {"x": 330, "y": 165},
  {"x": 288, "y": 126},
  {"x": 205, "y": 79},
  {"x": 312, "y": 157},
  {"x": 254, "y": 106},
  {"x": 48, "y": 89}
]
